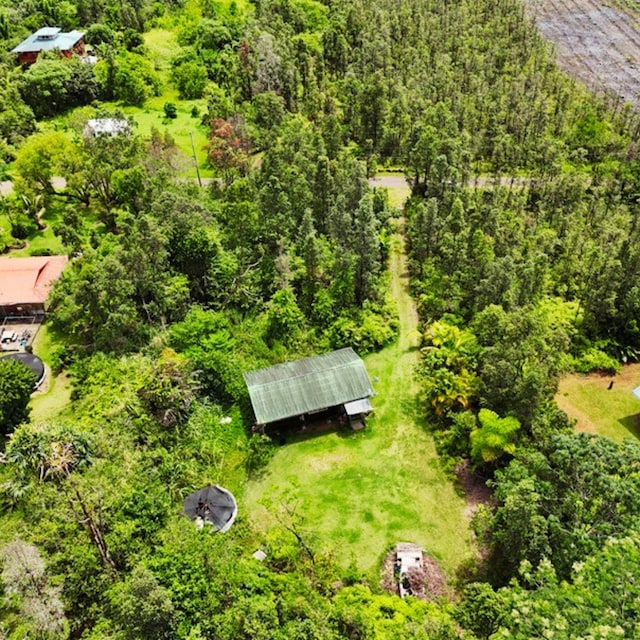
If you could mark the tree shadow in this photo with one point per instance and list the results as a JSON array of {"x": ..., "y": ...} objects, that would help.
[
  {"x": 414, "y": 408},
  {"x": 632, "y": 424}
]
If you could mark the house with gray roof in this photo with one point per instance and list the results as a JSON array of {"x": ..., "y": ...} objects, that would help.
[
  {"x": 335, "y": 380},
  {"x": 49, "y": 39}
]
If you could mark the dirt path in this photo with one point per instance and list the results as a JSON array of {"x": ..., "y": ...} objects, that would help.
[
  {"x": 366, "y": 492},
  {"x": 407, "y": 312},
  {"x": 473, "y": 487},
  {"x": 594, "y": 42}
]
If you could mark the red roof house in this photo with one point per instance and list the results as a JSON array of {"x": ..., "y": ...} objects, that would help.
[{"x": 25, "y": 283}]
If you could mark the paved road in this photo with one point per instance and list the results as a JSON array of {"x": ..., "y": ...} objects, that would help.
[
  {"x": 388, "y": 181},
  {"x": 6, "y": 186}
]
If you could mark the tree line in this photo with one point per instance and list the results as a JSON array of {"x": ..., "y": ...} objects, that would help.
[{"x": 520, "y": 226}]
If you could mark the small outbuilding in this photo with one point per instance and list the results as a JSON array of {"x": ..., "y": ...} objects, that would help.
[
  {"x": 50, "y": 39},
  {"x": 106, "y": 127},
  {"x": 25, "y": 283},
  {"x": 409, "y": 557},
  {"x": 337, "y": 379}
]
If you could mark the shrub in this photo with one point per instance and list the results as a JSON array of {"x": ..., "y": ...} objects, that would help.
[
  {"x": 261, "y": 450},
  {"x": 190, "y": 79},
  {"x": 367, "y": 331},
  {"x": 22, "y": 226},
  {"x": 170, "y": 110},
  {"x": 594, "y": 360},
  {"x": 98, "y": 34}
]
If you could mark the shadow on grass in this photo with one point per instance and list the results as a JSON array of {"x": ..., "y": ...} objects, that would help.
[
  {"x": 632, "y": 424},
  {"x": 413, "y": 407},
  {"x": 311, "y": 434}
]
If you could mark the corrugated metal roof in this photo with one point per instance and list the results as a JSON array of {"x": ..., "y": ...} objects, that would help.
[
  {"x": 307, "y": 385},
  {"x": 357, "y": 406},
  {"x": 48, "y": 39},
  {"x": 106, "y": 126}
]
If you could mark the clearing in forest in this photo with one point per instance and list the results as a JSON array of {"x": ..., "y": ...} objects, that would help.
[
  {"x": 613, "y": 412},
  {"x": 596, "y": 42},
  {"x": 361, "y": 493}
]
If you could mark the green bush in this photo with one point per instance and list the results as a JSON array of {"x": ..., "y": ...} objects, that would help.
[
  {"x": 170, "y": 110},
  {"x": 365, "y": 332},
  {"x": 594, "y": 361},
  {"x": 42, "y": 251},
  {"x": 22, "y": 226},
  {"x": 261, "y": 450},
  {"x": 190, "y": 79}
]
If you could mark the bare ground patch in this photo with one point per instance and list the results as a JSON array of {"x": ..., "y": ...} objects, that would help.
[
  {"x": 594, "y": 42},
  {"x": 427, "y": 583},
  {"x": 474, "y": 488}
]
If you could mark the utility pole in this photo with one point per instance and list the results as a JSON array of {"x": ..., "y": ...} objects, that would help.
[{"x": 195, "y": 159}]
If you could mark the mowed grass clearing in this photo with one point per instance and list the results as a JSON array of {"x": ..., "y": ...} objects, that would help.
[
  {"x": 54, "y": 396},
  {"x": 614, "y": 413},
  {"x": 363, "y": 492},
  {"x": 185, "y": 128}
]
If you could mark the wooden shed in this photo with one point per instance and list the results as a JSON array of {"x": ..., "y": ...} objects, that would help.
[{"x": 337, "y": 379}]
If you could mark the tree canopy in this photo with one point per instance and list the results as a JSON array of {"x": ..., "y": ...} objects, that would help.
[{"x": 522, "y": 246}]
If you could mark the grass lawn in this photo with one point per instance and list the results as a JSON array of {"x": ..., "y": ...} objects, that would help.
[
  {"x": 366, "y": 491},
  {"x": 54, "y": 396},
  {"x": 181, "y": 128},
  {"x": 614, "y": 412},
  {"x": 39, "y": 240},
  {"x": 51, "y": 399},
  {"x": 163, "y": 46}
]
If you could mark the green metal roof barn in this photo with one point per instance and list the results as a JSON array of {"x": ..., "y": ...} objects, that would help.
[{"x": 308, "y": 385}]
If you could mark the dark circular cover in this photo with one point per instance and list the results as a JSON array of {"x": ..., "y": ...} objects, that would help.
[
  {"x": 29, "y": 360},
  {"x": 213, "y": 504}
]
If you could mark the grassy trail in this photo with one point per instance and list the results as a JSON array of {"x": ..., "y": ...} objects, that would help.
[{"x": 363, "y": 492}]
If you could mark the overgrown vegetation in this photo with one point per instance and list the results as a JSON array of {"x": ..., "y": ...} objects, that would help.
[{"x": 523, "y": 255}]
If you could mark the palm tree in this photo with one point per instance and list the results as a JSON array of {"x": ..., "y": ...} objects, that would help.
[{"x": 456, "y": 347}]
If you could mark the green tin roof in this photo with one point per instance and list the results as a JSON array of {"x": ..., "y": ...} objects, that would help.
[{"x": 307, "y": 385}]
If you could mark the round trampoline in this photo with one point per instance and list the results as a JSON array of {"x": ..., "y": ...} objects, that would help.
[
  {"x": 212, "y": 505},
  {"x": 33, "y": 362}
]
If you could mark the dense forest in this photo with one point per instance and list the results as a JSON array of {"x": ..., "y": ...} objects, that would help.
[{"x": 523, "y": 252}]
